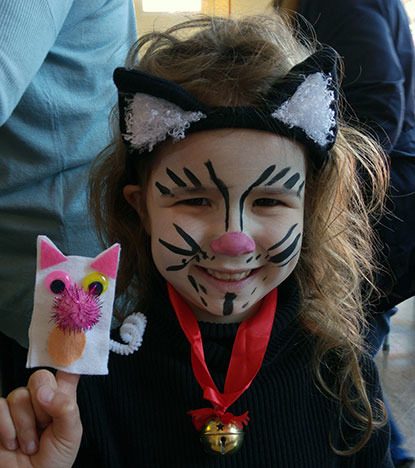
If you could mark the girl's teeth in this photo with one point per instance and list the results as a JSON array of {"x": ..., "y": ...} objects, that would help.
[{"x": 227, "y": 276}]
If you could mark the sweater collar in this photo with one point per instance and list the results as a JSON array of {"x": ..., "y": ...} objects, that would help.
[{"x": 217, "y": 337}]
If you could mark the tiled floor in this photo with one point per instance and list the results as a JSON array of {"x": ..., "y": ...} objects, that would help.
[{"x": 397, "y": 371}]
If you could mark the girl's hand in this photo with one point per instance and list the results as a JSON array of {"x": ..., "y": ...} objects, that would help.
[{"x": 40, "y": 425}]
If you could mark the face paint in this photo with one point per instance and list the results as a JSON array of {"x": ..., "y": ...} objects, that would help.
[
  {"x": 223, "y": 190},
  {"x": 228, "y": 304},
  {"x": 163, "y": 190},
  {"x": 224, "y": 212},
  {"x": 300, "y": 188},
  {"x": 279, "y": 176},
  {"x": 264, "y": 176},
  {"x": 176, "y": 179},
  {"x": 193, "y": 283},
  {"x": 193, "y": 179},
  {"x": 292, "y": 181},
  {"x": 195, "y": 253},
  {"x": 290, "y": 231},
  {"x": 282, "y": 256}
]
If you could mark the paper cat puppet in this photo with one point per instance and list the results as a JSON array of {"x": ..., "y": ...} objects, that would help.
[{"x": 72, "y": 312}]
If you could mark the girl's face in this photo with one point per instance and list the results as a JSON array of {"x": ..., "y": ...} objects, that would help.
[{"x": 225, "y": 216}]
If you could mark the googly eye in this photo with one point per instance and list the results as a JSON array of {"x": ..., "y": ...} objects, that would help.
[
  {"x": 57, "y": 281},
  {"x": 96, "y": 283}
]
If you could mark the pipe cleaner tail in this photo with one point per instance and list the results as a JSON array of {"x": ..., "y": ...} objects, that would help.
[{"x": 131, "y": 331}]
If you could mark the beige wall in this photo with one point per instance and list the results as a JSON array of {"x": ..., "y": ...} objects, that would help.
[
  {"x": 148, "y": 21},
  {"x": 249, "y": 7}
]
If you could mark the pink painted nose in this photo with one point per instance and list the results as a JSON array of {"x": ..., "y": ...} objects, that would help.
[{"x": 233, "y": 244}]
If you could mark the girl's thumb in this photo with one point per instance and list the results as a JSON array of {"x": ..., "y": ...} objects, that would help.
[{"x": 62, "y": 437}]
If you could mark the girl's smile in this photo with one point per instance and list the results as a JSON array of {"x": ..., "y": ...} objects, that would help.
[
  {"x": 229, "y": 280},
  {"x": 224, "y": 210}
]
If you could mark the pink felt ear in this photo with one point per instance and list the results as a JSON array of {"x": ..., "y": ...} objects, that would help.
[
  {"x": 107, "y": 262},
  {"x": 50, "y": 255}
]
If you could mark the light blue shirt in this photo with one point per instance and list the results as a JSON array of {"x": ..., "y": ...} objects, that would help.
[{"x": 56, "y": 91}]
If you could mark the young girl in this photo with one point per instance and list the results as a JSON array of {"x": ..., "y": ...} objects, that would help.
[{"x": 233, "y": 189}]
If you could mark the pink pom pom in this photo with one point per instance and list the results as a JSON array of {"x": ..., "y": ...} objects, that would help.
[{"x": 76, "y": 310}]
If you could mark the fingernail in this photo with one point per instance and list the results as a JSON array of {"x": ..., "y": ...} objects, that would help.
[
  {"x": 45, "y": 394},
  {"x": 30, "y": 448},
  {"x": 12, "y": 445}
]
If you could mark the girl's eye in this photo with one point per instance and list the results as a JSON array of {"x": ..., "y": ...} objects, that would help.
[
  {"x": 196, "y": 202},
  {"x": 267, "y": 202}
]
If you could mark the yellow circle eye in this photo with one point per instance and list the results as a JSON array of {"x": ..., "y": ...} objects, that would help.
[{"x": 95, "y": 283}]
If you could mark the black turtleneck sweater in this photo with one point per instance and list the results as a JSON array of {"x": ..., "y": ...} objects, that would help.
[{"x": 136, "y": 416}]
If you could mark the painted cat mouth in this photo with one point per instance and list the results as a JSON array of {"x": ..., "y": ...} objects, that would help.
[{"x": 226, "y": 276}]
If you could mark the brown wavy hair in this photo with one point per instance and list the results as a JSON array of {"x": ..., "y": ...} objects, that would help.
[{"x": 234, "y": 62}]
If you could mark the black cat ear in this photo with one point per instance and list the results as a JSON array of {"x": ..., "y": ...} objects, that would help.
[{"x": 152, "y": 109}]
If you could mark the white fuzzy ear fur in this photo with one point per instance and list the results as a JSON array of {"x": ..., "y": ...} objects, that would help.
[
  {"x": 311, "y": 109},
  {"x": 150, "y": 120}
]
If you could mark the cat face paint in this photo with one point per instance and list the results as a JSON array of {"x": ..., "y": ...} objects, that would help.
[{"x": 215, "y": 188}]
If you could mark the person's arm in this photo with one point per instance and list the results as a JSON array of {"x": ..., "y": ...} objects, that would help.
[
  {"x": 373, "y": 85},
  {"x": 28, "y": 31}
]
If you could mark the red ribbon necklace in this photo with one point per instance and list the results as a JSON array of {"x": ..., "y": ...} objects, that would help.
[{"x": 248, "y": 352}]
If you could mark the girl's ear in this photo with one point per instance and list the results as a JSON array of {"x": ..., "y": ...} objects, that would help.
[{"x": 135, "y": 196}]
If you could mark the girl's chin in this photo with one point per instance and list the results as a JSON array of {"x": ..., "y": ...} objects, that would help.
[{"x": 217, "y": 315}]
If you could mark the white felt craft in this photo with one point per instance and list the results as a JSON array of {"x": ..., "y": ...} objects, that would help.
[
  {"x": 72, "y": 311},
  {"x": 150, "y": 120},
  {"x": 311, "y": 108}
]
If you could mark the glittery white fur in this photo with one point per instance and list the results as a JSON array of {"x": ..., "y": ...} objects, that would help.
[
  {"x": 150, "y": 120},
  {"x": 310, "y": 108}
]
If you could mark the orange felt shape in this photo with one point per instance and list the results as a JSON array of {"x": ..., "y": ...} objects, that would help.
[{"x": 65, "y": 348}]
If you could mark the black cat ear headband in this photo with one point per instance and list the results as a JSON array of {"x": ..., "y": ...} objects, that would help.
[{"x": 301, "y": 106}]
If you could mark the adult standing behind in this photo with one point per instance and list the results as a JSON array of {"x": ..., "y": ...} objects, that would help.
[
  {"x": 56, "y": 90},
  {"x": 374, "y": 39},
  {"x": 375, "y": 42}
]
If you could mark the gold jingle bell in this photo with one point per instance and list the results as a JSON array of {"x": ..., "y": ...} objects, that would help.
[{"x": 218, "y": 438}]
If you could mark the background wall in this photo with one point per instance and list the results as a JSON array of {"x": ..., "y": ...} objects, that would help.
[{"x": 147, "y": 21}]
